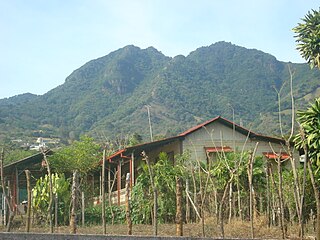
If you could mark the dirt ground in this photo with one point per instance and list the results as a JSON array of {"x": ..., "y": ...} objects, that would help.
[{"x": 236, "y": 229}]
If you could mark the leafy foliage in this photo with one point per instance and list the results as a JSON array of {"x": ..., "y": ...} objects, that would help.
[
  {"x": 93, "y": 214},
  {"x": 239, "y": 162},
  {"x": 308, "y": 33},
  {"x": 17, "y": 154},
  {"x": 40, "y": 198},
  {"x": 310, "y": 122},
  {"x": 81, "y": 155},
  {"x": 164, "y": 179}
]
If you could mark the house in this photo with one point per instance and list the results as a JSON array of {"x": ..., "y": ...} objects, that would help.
[{"x": 204, "y": 142}]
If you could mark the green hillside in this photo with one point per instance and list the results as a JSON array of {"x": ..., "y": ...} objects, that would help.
[{"x": 107, "y": 96}]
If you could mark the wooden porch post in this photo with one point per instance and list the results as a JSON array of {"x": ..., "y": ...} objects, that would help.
[
  {"x": 17, "y": 186},
  {"x": 130, "y": 172}
]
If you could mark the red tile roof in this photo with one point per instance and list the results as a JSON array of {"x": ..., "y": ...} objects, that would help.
[
  {"x": 199, "y": 126},
  {"x": 237, "y": 127}
]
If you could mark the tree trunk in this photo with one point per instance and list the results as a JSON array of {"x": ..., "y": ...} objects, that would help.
[
  {"x": 268, "y": 195},
  {"x": 230, "y": 203},
  {"x": 179, "y": 220},
  {"x": 239, "y": 200},
  {"x": 155, "y": 195},
  {"x": 280, "y": 189},
  {"x": 194, "y": 195},
  {"x": 82, "y": 209},
  {"x": 317, "y": 197},
  {"x": 110, "y": 187},
  {"x": 251, "y": 196},
  {"x": 56, "y": 210},
  {"x": 187, "y": 203},
  {"x": 155, "y": 211},
  {"x": 250, "y": 170},
  {"x": 221, "y": 215},
  {"x": 279, "y": 203},
  {"x": 73, "y": 222}
]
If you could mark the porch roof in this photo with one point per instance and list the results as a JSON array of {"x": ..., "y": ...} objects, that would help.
[
  {"x": 142, "y": 147},
  {"x": 27, "y": 162}
]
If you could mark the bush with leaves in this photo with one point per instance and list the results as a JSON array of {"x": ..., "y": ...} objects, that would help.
[
  {"x": 93, "y": 214},
  {"x": 40, "y": 198},
  {"x": 165, "y": 181}
]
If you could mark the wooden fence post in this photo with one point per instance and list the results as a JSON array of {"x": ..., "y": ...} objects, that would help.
[
  {"x": 27, "y": 172},
  {"x": 128, "y": 217}
]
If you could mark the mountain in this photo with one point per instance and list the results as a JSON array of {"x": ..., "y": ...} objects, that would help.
[{"x": 108, "y": 96}]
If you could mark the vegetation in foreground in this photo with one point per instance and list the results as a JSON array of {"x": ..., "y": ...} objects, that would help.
[{"x": 236, "y": 229}]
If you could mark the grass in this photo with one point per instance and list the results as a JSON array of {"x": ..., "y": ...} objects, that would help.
[{"x": 236, "y": 229}]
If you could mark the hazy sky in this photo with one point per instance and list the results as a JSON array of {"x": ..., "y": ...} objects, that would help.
[{"x": 42, "y": 42}]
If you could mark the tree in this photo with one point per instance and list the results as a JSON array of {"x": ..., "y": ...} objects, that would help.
[
  {"x": 17, "y": 154},
  {"x": 79, "y": 158},
  {"x": 307, "y": 37},
  {"x": 309, "y": 140},
  {"x": 310, "y": 123},
  {"x": 81, "y": 155}
]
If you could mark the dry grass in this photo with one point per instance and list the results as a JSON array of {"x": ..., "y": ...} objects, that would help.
[{"x": 236, "y": 229}]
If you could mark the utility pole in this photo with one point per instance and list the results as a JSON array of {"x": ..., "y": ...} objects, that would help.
[{"x": 151, "y": 136}]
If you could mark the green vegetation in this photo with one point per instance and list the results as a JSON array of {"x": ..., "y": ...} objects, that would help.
[
  {"x": 17, "y": 154},
  {"x": 165, "y": 181},
  {"x": 40, "y": 198},
  {"x": 81, "y": 155},
  {"x": 93, "y": 215},
  {"x": 308, "y": 38}
]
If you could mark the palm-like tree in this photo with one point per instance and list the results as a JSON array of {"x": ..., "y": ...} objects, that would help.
[
  {"x": 308, "y": 38},
  {"x": 310, "y": 122}
]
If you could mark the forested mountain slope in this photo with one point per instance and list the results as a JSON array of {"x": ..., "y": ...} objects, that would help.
[{"x": 108, "y": 96}]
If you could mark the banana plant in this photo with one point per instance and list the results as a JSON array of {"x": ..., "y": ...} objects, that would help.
[{"x": 40, "y": 197}]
